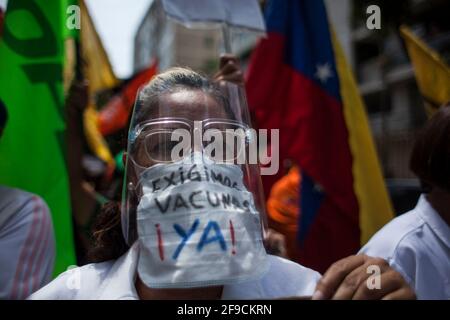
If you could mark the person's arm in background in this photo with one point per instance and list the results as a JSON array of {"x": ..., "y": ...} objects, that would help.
[
  {"x": 27, "y": 244},
  {"x": 82, "y": 202}
]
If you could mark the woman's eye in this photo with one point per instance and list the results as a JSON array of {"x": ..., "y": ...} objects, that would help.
[
  {"x": 172, "y": 144},
  {"x": 162, "y": 149},
  {"x": 158, "y": 148}
]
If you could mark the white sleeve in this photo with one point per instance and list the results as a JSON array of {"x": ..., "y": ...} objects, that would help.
[
  {"x": 59, "y": 289},
  {"x": 27, "y": 249},
  {"x": 289, "y": 279},
  {"x": 398, "y": 253}
]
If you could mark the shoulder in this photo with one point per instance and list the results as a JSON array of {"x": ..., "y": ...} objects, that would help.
[
  {"x": 402, "y": 243},
  {"x": 401, "y": 233},
  {"x": 15, "y": 198},
  {"x": 76, "y": 283},
  {"x": 21, "y": 207}
]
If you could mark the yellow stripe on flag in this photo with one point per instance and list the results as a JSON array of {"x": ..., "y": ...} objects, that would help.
[
  {"x": 97, "y": 67},
  {"x": 98, "y": 71},
  {"x": 432, "y": 73},
  {"x": 94, "y": 138},
  {"x": 375, "y": 208}
]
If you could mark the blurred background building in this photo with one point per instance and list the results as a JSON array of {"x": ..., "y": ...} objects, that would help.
[
  {"x": 378, "y": 57},
  {"x": 175, "y": 45},
  {"x": 386, "y": 77}
]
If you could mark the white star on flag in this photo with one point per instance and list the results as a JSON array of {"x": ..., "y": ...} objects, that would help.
[
  {"x": 318, "y": 188},
  {"x": 323, "y": 72}
]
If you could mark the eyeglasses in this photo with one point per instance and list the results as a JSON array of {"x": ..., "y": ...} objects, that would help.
[{"x": 168, "y": 140}]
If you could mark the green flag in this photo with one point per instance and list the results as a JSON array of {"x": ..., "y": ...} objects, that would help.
[{"x": 32, "y": 151}]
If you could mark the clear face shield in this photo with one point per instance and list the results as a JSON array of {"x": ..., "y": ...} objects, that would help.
[{"x": 192, "y": 194}]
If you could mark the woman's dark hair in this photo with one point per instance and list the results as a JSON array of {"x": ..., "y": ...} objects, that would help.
[
  {"x": 430, "y": 158},
  {"x": 109, "y": 242}
]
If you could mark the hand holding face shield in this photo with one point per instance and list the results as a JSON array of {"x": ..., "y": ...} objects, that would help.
[{"x": 192, "y": 194}]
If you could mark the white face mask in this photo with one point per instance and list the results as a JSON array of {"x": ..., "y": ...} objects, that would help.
[{"x": 197, "y": 226}]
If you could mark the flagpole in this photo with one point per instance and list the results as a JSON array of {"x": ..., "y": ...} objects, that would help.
[{"x": 226, "y": 32}]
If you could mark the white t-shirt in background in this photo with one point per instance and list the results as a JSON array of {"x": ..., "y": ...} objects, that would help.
[
  {"x": 417, "y": 244},
  {"x": 27, "y": 244}
]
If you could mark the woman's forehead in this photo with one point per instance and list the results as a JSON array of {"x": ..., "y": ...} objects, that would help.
[{"x": 188, "y": 104}]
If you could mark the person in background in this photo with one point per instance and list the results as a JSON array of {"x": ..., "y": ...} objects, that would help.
[
  {"x": 90, "y": 180},
  {"x": 27, "y": 245},
  {"x": 283, "y": 209},
  {"x": 417, "y": 243}
]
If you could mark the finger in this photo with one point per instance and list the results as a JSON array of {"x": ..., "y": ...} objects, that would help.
[
  {"x": 274, "y": 243},
  {"x": 334, "y": 276},
  {"x": 270, "y": 240},
  {"x": 225, "y": 58},
  {"x": 229, "y": 68},
  {"x": 282, "y": 248},
  {"x": 277, "y": 244},
  {"x": 351, "y": 283},
  {"x": 405, "y": 293},
  {"x": 357, "y": 279},
  {"x": 268, "y": 234},
  {"x": 226, "y": 68},
  {"x": 228, "y": 64},
  {"x": 389, "y": 282}
]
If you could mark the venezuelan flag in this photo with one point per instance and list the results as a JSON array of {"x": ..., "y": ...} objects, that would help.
[{"x": 298, "y": 81}]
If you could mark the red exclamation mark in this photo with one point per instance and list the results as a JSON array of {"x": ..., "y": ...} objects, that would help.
[
  {"x": 233, "y": 242},
  {"x": 160, "y": 242}
]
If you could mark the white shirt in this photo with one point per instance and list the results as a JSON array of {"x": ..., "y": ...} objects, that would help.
[
  {"x": 417, "y": 244},
  {"x": 112, "y": 280},
  {"x": 27, "y": 244}
]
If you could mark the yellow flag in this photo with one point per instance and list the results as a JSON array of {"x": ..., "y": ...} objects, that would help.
[
  {"x": 96, "y": 65},
  {"x": 375, "y": 208},
  {"x": 98, "y": 71},
  {"x": 432, "y": 73},
  {"x": 94, "y": 138}
]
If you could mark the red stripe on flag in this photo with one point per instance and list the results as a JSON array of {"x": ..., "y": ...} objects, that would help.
[{"x": 313, "y": 134}]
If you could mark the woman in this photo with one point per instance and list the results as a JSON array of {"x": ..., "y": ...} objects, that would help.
[
  {"x": 139, "y": 268},
  {"x": 417, "y": 243}
]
